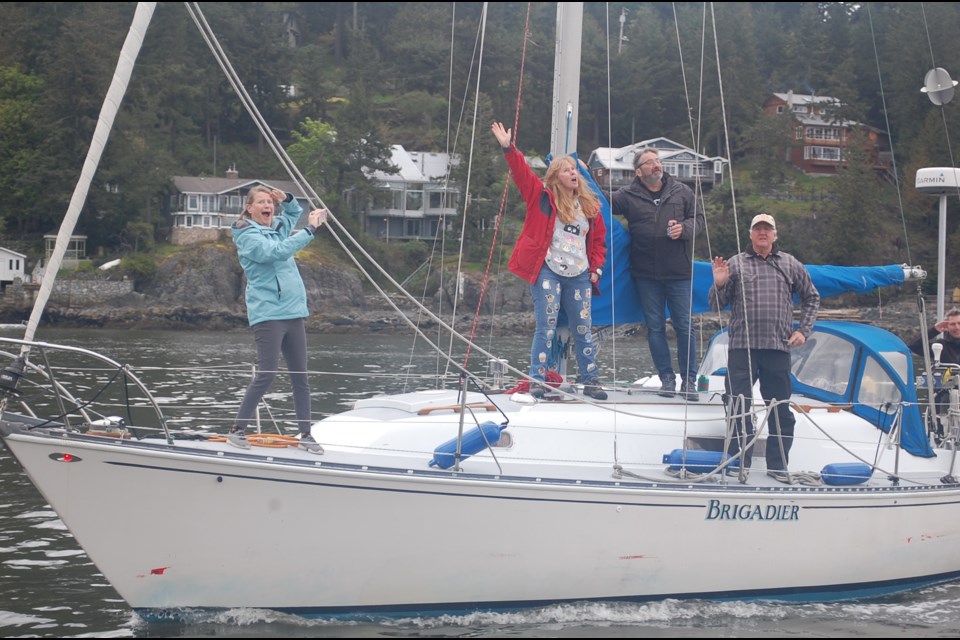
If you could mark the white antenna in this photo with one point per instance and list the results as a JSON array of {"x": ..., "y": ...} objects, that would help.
[
  {"x": 939, "y": 181},
  {"x": 939, "y": 86}
]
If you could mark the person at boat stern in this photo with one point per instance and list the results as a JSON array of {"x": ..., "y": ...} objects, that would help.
[
  {"x": 758, "y": 285},
  {"x": 950, "y": 328},
  {"x": 663, "y": 217},
  {"x": 276, "y": 302},
  {"x": 560, "y": 252}
]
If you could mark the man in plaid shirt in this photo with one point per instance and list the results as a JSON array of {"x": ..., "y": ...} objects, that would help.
[{"x": 758, "y": 285}]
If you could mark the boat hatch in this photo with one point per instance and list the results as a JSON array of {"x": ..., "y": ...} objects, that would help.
[{"x": 422, "y": 402}]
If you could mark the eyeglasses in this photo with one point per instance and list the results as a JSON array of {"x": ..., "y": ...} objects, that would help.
[{"x": 650, "y": 161}]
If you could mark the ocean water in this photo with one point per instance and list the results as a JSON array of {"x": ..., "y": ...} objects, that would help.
[{"x": 51, "y": 589}]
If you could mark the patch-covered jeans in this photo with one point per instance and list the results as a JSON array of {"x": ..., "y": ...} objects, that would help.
[{"x": 551, "y": 293}]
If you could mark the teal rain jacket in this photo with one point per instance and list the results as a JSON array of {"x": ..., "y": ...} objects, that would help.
[{"x": 275, "y": 289}]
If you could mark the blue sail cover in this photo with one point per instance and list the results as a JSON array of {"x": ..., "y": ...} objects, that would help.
[{"x": 619, "y": 304}]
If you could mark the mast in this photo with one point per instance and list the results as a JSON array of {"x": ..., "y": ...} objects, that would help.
[{"x": 566, "y": 79}]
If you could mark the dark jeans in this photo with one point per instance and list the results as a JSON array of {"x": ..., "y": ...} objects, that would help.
[
  {"x": 772, "y": 367},
  {"x": 274, "y": 337},
  {"x": 656, "y": 296}
]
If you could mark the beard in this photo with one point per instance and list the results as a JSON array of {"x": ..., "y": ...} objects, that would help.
[{"x": 653, "y": 179}]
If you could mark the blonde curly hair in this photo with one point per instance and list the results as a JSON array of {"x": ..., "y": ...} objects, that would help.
[{"x": 566, "y": 201}]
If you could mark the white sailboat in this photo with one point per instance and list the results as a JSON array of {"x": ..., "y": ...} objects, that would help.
[{"x": 460, "y": 500}]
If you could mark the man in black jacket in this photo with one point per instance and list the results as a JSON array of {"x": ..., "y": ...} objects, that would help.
[
  {"x": 950, "y": 328},
  {"x": 663, "y": 217}
]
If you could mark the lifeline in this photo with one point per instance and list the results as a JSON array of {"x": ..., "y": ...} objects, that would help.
[{"x": 719, "y": 511}]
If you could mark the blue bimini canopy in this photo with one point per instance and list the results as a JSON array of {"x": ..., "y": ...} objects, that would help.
[{"x": 867, "y": 367}]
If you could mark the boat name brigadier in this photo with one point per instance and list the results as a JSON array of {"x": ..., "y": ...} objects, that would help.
[{"x": 717, "y": 510}]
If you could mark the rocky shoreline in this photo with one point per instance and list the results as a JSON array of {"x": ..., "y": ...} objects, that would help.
[{"x": 202, "y": 289}]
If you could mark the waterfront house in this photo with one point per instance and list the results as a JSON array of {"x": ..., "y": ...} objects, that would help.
[
  {"x": 202, "y": 209},
  {"x": 821, "y": 136},
  {"x": 613, "y": 166},
  {"x": 412, "y": 203}
]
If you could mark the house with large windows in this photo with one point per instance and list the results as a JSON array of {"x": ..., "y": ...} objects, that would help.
[
  {"x": 821, "y": 137},
  {"x": 412, "y": 203},
  {"x": 202, "y": 209},
  {"x": 613, "y": 166}
]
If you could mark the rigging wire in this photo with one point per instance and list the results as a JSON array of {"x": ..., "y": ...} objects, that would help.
[
  {"x": 499, "y": 219},
  {"x": 733, "y": 192},
  {"x": 886, "y": 119},
  {"x": 441, "y": 231},
  {"x": 726, "y": 136},
  {"x": 613, "y": 272},
  {"x": 478, "y": 57},
  {"x": 698, "y": 185}
]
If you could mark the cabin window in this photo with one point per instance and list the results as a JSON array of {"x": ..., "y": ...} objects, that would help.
[
  {"x": 824, "y": 362},
  {"x": 877, "y": 389},
  {"x": 780, "y": 108},
  {"x": 715, "y": 360},
  {"x": 192, "y": 203}
]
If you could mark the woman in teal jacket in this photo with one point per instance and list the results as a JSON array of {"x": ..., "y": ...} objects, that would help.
[{"x": 276, "y": 302}]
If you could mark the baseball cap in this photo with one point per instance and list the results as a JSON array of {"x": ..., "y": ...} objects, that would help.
[{"x": 763, "y": 217}]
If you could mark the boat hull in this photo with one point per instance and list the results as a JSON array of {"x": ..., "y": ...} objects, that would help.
[{"x": 192, "y": 526}]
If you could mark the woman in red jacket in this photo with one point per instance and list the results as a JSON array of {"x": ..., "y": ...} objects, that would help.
[{"x": 560, "y": 252}]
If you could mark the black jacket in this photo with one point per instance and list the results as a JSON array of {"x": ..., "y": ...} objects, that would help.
[
  {"x": 653, "y": 254},
  {"x": 951, "y": 347}
]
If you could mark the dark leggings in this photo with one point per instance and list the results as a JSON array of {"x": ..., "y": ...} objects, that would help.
[{"x": 272, "y": 338}]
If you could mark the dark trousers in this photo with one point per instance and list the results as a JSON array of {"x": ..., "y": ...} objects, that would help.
[
  {"x": 772, "y": 368},
  {"x": 272, "y": 338}
]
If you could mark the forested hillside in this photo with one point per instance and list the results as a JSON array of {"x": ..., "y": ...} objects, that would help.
[{"x": 340, "y": 82}]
